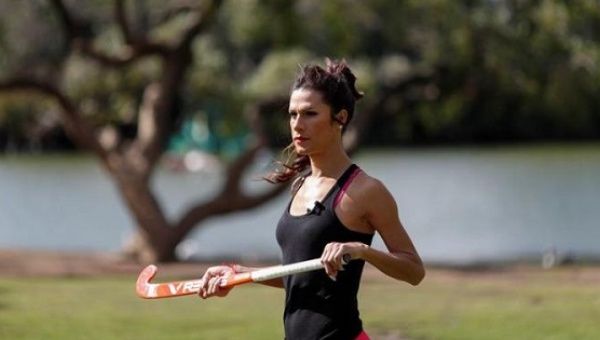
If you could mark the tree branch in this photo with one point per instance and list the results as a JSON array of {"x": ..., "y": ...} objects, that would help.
[
  {"x": 161, "y": 104},
  {"x": 236, "y": 169},
  {"x": 72, "y": 27},
  {"x": 255, "y": 115},
  {"x": 222, "y": 206},
  {"x": 77, "y": 127},
  {"x": 181, "y": 8},
  {"x": 202, "y": 21},
  {"x": 231, "y": 198},
  {"x": 128, "y": 55},
  {"x": 121, "y": 16},
  {"x": 363, "y": 120},
  {"x": 79, "y": 34}
]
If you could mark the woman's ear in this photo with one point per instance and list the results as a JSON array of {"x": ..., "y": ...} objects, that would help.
[{"x": 342, "y": 117}]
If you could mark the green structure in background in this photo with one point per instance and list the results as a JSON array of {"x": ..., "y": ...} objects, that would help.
[{"x": 198, "y": 134}]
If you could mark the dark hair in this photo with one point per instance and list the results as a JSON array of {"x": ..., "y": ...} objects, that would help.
[{"x": 337, "y": 85}]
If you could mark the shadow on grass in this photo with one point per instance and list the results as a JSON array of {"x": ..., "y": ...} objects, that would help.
[{"x": 3, "y": 292}]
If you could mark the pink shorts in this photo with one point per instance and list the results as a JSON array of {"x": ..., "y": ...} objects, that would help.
[{"x": 362, "y": 336}]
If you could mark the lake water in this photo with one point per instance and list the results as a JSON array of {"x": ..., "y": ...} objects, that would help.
[{"x": 460, "y": 205}]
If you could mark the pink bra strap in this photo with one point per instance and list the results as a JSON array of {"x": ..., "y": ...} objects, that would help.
[
  {"x": 362, "y": 336},
  {"x": 340, "y": 193}
]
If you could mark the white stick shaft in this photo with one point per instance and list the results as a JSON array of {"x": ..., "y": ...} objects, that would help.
[{"x": 285, "y": 270}]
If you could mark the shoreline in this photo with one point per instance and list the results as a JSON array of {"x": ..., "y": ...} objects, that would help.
[{"x": 18, "y": 263}]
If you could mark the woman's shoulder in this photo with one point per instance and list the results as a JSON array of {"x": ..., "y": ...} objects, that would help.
[
  {"x": 368, "y": 187},
  {"x": 372, "y": 196}
]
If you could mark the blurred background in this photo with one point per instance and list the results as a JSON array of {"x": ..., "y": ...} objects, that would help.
[{"x": 142, "y": 128}]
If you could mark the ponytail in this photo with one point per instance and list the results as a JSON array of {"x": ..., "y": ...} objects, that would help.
[{"x": 341, "y": 70}]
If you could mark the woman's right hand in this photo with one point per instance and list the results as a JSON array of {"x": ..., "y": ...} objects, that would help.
[{"x": 210, "y": 282}]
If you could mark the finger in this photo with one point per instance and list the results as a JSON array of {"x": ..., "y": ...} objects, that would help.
[
  {"x": 326, "y": 260},
  {"x": 330, "y": 268},
  {"x": 332, "y": 258},
  {"x": 331, "y": 252},
  {"x": 200, "y": 287},
  {"x": 214, "y": 285},
  {"x": 338, "y": 256},
  {"x": 205, "y": 288},
  {"x": 210, "y": 287},
  {"x": 204, "y": 284}
]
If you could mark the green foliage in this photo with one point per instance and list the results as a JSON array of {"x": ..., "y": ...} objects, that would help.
[
  {"x": 501, "y": 70},
  {"x": 274, "y": 75},
  {"x": 28, "y": 39}
]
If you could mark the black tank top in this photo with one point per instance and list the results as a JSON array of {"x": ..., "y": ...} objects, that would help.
[{"x": 315, "y": 306}]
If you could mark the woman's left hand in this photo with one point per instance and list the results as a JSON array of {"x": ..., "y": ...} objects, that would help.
[{"x": 334, "y": 252}]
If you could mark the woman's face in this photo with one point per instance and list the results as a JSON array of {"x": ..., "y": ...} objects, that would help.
[{"x": 312, "y": 127}]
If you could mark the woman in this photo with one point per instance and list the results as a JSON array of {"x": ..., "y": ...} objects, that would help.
[{"x": 335, "y": 209}]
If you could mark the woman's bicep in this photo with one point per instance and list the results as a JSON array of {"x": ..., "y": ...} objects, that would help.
[
  {"x": 383, "y": 217},
  {"x": 401, "y": 261}
]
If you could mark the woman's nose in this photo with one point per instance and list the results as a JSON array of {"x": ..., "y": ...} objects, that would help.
[{"x": 297, "y": 124}]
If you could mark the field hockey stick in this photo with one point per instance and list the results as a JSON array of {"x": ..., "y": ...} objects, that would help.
[{"x": 147, "y": 290}]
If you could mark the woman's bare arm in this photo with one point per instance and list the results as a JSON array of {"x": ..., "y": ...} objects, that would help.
[
  {"x": 402, "y": 261},
  {"x": 370, "y": 207}
]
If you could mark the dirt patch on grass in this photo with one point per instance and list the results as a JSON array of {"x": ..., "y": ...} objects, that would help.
[{"x": 28, "y": 263}]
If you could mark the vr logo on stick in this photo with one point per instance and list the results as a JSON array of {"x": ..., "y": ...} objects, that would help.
[{"x": 190, "y": 286}]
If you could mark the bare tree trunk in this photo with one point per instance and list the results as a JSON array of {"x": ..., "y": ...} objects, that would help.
[{"x": 153, "y": 238}]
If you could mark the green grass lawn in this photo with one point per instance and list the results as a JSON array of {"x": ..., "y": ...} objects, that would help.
[{"x": 532, "y": 304}]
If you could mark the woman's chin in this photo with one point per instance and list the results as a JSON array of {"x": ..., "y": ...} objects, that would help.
[{"x": 301, "y": 151}]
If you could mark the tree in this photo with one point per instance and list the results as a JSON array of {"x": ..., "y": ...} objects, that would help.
[
  {"x": 131, "y": 163},
  {"x": 131, "y": 160}
]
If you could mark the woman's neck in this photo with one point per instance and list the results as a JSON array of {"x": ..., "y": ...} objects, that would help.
[{"x": 330, "y": 163}]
